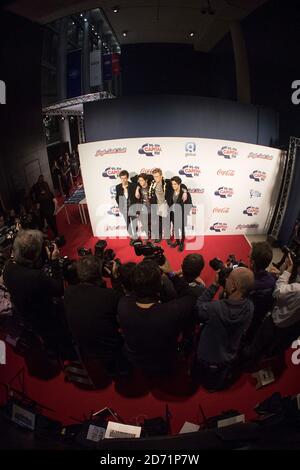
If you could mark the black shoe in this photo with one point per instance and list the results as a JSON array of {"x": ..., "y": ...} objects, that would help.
[
  {"x": 157, "y": 240},
  {"x": 131, "y": 241},
  {"x": 181, "y": 246},
  {"x": 176, "y": 243},
  {"x": 169, "y": 243}
]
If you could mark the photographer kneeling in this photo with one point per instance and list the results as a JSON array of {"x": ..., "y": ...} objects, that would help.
[
  {"x": 32, "y": 291},
  {"x": 91, "y": 311},
  {"x": 225, "y": 322}
]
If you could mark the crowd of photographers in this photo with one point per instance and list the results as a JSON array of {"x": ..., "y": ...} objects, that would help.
[{"x": 146, "y": 316}]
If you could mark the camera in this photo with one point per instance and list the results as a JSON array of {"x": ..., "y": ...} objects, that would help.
[
  {"x": 108, "y": 257},
  {"x": 149, "y": 251},
  {"x": 82, "y": 251},
  {"x": 225, "y": 269}
]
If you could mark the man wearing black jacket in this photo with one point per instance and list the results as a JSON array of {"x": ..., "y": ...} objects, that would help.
[
  {"x": 180, "y": 203},
  {"x": 125, "y": 197},
  {"x": 225, "y": 322},
  {"x": 32, "y": 291}
]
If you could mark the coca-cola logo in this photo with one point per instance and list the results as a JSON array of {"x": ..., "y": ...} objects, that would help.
[
  {"x": 258, "y": 175},
  {"x": 221, "y": 172},
  {"x": 251, "y": 211},
  {"x": 224, "y": 192},
  {"x": 221, "y": 210},
  {"x": 219, "y": 227}
]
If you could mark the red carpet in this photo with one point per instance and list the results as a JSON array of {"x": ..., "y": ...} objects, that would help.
[{"x": 67, "y": 401}]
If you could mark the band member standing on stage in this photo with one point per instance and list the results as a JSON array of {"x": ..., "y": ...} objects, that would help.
[
  {"x": 142, "y": 195},
  {"x": 160, "y": 191},
  {"x": 125, "y": 197},
  {"x": 181, "y": 199}
]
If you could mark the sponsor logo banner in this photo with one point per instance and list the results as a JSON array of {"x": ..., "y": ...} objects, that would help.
[
  {"x": 114, "y": 210},
  {"x": 148, "y": 171},
  {"x": 190, "y": 171},
  {"x": 258, "y": 175},
  {"x": 228, "y": 152},
  {"x": 111, "y": 151},
  {"x": 221, "y": 210},
  {"x": 262, "y": 156},
  {"x": 254, "y": 193},
  {"x": 196, "y": 190},
  {"x": 219, "y": 227},
  {"x": 114, "y": 228},
  {"x": 150, "y": 150},
  {"x": 224, "y": 192},
  {"x": 190, "y": 149},
  {"x": 112, "y": 172},
  {"x": 243, "y": 226},
  {"x": 251, "y": 211},
  {"x": 221, "y": 172}
]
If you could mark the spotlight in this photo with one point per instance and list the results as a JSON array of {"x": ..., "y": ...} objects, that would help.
[
  {"x": 81, "y": 14},
  {"x": 115, "y": 9},
  {"x": 85, "y": 19},
  {"x": 124, "y": 34},
  {"x": 192, "y": 34},
  {"x": 63, "y": 118}
]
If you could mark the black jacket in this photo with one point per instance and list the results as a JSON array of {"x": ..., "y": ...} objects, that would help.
[
  {"x": 225, "y": 323},
  {"x": 131, "y": 194},
  {"x": 91, "y": 313},
  {"x": 179, "y": 199},
  {"x": 32, "y": 293}
]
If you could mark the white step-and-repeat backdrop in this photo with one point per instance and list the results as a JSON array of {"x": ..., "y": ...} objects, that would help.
[{"x": 234, "y": 185}]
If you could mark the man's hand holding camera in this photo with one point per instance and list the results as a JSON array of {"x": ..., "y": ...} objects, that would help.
[{"x": 52, "y": 251}]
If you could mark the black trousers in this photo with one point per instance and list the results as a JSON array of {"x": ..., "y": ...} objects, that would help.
[
  {"x": 51, "y": 221},
  {"x": 179, "y": 231}
]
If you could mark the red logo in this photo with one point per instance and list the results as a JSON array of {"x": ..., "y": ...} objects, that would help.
[{"x": 226, "y": 172}]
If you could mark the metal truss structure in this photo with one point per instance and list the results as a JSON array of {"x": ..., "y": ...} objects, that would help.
[
  {"x": 286, "y": 186},
  {"x": 61, "y": 108}
]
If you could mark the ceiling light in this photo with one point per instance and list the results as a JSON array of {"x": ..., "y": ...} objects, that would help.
[
  {"x": 85, "y": 19},
  {"x": 192, "y": 34},
  {"x": 124, "y": 34},
  {"x": 81, "y": 14},
  {"x": 115, "y": 9}
]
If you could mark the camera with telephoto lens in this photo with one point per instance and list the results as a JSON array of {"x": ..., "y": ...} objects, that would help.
[
  {"x": 149, "y": 251},
  {"x": 225, "y": 269}
]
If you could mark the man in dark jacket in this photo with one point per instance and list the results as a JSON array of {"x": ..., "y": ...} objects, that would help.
[
  {"x": 91, "y": 311},
  {"x": 180, "y": 204},
  {"x": 225, "y": 322},
  {"x": 125, "y": 197}
]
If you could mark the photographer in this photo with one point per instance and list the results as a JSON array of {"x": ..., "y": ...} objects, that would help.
[
  {"x": 91, "y": 311},
  {"x": 32, "y": 292},
  {"x": 187, "y": 281},
  {"x": 151, "y": 328},
  {"x": 225, "y": 322}
]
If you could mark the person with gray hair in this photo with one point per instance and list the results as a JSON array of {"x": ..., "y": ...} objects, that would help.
[
  {"x": 224, "y": 323},
  {"x": 32, "y": 291}
]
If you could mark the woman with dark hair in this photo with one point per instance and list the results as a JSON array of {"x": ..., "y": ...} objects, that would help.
[{"x": 180, "y": 203}]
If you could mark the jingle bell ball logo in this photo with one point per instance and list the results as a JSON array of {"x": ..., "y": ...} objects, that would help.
[
  {"x": 219, "y": 227},
  {"x": 190, "y": 149},
  {"x": 251, "y": 211},
  {"x": 114, "y": 210},
  {"x": 228, "y": 152},
  {"x": 110, "y": 151},
  {"x": 196, "y": 190},
  {"x": 112, "y": 172},
  {"x": 258, "y": 176},
  {"x": 224, "y": 192},
  {"x": 150, "y": 150},
  {"x": 190, "y": 171}
]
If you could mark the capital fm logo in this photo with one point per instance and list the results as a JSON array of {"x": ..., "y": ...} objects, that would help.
[
  {"x": 251, "y": 211},
  {"x": 254, "y": 193},
  {"x": 190, "y": 171},
  {"x": 190, "y": 149},
  {"x": 114, "y": 210},
  {"x": 113, "y": 191},
  {"x": 221, "y": 172},
  {"x": 150, "y": 150},
  {"x": 112, "y": 172},
  {"x": 258, "y": 175},
  {"x": 219, "y": 227},
  {"x": 228, "y": 152},
  {"x": 224, "y": 192}
]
